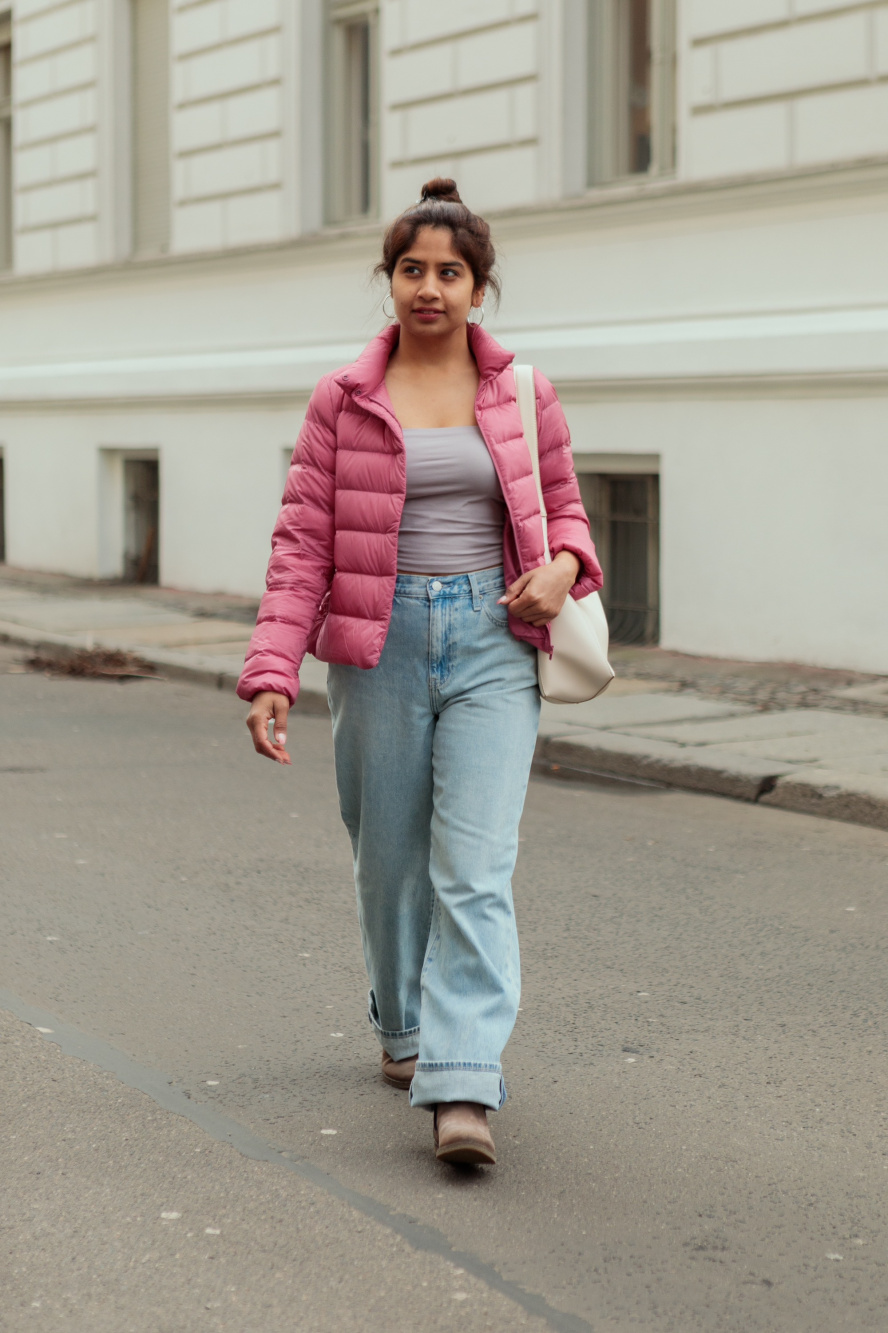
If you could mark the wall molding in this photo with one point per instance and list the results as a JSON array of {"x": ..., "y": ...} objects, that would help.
[
  {"x": 796, "y": 346},
  {"x": 726, "y": 388},
  {"x": 652, "y": 203}
]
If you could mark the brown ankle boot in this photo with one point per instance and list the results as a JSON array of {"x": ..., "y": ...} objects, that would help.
[
  {"x": 398, "y": 1073},
  {"x": 462, "y": 1134}
]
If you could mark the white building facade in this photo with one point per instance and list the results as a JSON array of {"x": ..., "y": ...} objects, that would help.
[{"x": 690, "y": 201}]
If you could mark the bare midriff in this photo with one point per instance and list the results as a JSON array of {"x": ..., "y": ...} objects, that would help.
[{"x": 454, "y": 574}]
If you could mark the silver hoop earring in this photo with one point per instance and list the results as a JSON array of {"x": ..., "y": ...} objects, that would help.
[
  {"x": 480, "y": 310},
  {"x": 384, "y": 311}
]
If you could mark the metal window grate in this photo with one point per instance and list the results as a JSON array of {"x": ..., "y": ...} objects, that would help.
[
  {"x": 624, "y": 514},
  {"x": 141, "y": 479}
]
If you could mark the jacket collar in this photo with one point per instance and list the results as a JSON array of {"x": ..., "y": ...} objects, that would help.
[{"x": 366, "y": 374}]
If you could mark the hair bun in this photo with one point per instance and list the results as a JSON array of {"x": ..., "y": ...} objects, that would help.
[
  {"x": 443, "y": 188},
  {"x": 441, "y": 206}
]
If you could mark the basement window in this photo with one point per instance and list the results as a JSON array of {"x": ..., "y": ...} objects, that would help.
[
  {"x": 141, "y": 480},
  {"x": 624, "y": 514}
]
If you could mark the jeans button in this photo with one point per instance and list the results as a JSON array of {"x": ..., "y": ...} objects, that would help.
[{"x": 436, "y": 586}]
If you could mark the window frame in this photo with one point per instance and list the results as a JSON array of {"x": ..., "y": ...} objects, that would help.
[
  {"x": 347, "y": 196},
  {"x": 607, "y": 94}
]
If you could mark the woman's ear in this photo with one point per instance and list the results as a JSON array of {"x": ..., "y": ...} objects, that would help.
[{"x": 478, "y": 297}]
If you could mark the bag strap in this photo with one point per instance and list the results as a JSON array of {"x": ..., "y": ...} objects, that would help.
[{"x": 525, "y": 391}]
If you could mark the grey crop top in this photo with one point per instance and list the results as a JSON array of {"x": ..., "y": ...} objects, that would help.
[{"x": 454, "y": 512}]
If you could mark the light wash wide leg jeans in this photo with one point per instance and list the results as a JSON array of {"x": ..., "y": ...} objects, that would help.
[{"x": 433, "y": 751}]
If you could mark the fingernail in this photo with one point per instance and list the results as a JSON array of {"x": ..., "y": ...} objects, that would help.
[
  {"x": 282, "y": 738},
  {"x": 501, "y": 600}
]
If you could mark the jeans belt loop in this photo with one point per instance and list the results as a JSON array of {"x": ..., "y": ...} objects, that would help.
[{"x": 476, "y": 592}]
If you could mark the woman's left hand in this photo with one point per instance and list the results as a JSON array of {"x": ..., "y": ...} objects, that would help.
[{"x": 538, "y": 596}]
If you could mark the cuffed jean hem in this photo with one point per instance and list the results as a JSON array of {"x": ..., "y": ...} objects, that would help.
[
  {"x": 400, "y": 1045},
  {"x": 434, "y": 1083}
]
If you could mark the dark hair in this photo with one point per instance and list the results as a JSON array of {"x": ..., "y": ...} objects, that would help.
[{"x": 441, "y": 206}]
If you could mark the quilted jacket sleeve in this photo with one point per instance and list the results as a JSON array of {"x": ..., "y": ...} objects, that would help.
[
  {"x": 568, "y": 524},
  {"x": 301, "y": 566}
]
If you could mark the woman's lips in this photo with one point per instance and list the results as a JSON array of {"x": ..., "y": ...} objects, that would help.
[{"x": 428, "y": 316}]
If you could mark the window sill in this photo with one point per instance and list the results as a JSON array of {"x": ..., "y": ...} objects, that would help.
[{"x": 349, "y": 226}]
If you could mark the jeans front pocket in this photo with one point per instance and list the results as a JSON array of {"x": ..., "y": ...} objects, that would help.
[{"x": 498, "y": 615}]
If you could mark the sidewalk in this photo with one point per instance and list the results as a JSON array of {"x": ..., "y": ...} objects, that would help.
[{"x": 799, "y": 738}]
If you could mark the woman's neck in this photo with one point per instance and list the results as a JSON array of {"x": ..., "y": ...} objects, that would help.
[
  {"x": 434, "y": 355},
  {"x": 433, "y": 382}
]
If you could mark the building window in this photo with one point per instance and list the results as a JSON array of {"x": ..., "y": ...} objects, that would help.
[
  {"x": 624, "y": 513},
  {"x": 631, "y": 89},
  {"x": 141, "y": 481},
  {"x": 151, "y": 126},
  {"x": 5, "y": 140},
  {"x": 352, "y": 119},
  {"x": 2, "y": 510}
]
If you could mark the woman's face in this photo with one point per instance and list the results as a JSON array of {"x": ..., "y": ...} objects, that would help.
[{"x": 433, "y": 287}]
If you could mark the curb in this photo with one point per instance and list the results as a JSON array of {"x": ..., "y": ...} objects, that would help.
[
  {"x": 312, "y": 702},
  {"x": 827, "y": 795},
  {"x": 831, "y": 800},
  {"x": 848, "y": 798},
  {"x": 742, "y": 778}
]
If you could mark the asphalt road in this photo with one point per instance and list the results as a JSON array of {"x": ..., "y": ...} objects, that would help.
[{"x": 696, "y": 1132}]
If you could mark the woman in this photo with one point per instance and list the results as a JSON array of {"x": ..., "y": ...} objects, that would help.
[{"x": 409, "y": 555}]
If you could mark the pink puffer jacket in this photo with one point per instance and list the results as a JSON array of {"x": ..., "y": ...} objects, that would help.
[{"x": 331, "y": 576}]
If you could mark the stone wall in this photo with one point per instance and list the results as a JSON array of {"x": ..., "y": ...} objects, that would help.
[
  {"x": 777, "y": 84},
  {"x": 56, "y": 134},
  {"x": 228, "y": 123}
]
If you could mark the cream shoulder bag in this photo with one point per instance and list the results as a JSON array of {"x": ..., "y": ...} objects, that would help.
[{"x": 578, "y": 668}]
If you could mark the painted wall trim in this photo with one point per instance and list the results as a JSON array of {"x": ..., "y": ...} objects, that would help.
[
  {"x": 651, "y": 202},
  {"x": 801, "y": 343}
]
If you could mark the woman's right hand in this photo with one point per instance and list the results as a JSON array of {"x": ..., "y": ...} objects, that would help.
[{"x": 267, "y": 706}]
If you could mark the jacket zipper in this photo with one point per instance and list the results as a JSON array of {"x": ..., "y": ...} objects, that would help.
[{"x": 547, "y": 638}]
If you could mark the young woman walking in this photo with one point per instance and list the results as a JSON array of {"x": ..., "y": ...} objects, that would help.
[{"x": 409, "y": 555}]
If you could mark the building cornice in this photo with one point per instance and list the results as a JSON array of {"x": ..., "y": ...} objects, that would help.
[
  {"x": 360, "y": 241},
  {"x": 661, "y": 201},
  {"x": 647, "y": 202}
]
